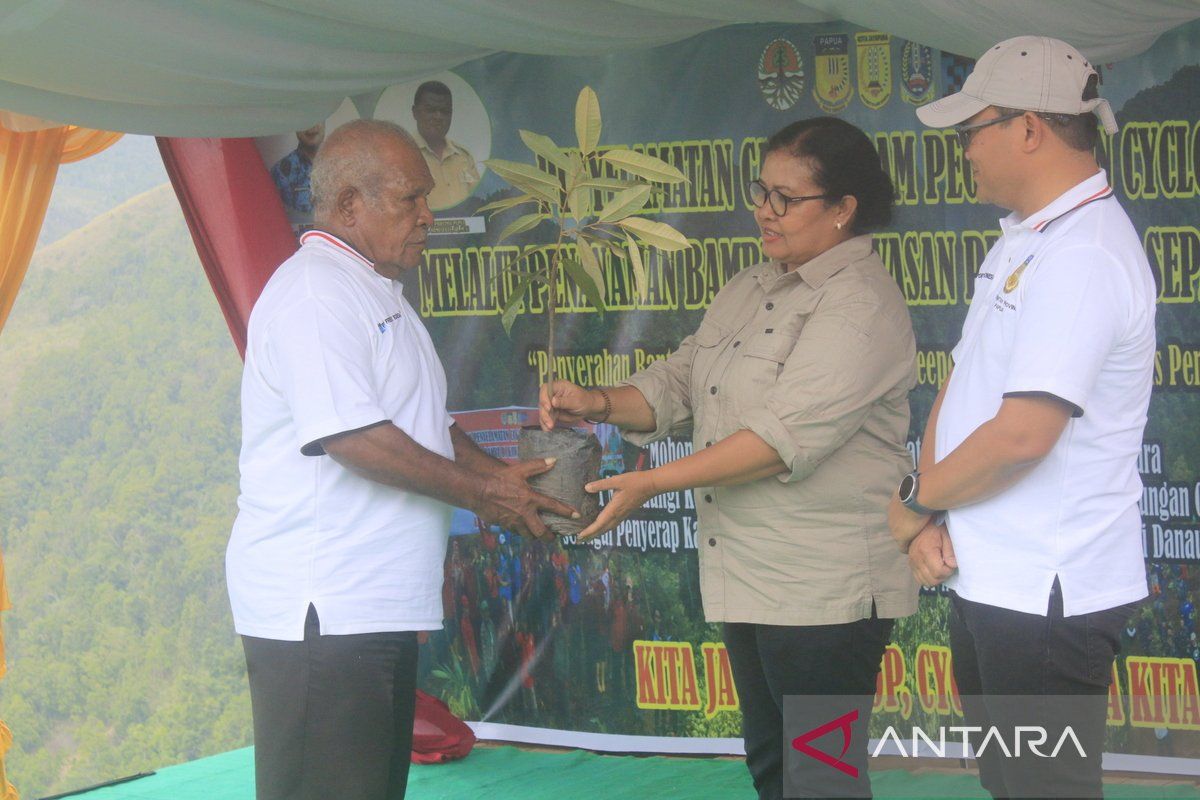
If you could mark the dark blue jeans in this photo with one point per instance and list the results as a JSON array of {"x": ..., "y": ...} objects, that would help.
[
  {"x": 333, "y": 715},
  {"x": 821, "y": 661},
  {"x": 1001, "y": 656}
]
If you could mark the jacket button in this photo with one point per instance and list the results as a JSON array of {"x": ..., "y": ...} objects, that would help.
[
  {"x": 770, "y": 306},
  {"x": 712, "y": 542},
  {"x": 708, "y": 443},
  {"x": 708, "y": 498},
  {"x": 712, "y": 390}
]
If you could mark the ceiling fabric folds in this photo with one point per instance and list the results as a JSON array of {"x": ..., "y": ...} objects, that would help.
[{"x": 255, "y": 67}]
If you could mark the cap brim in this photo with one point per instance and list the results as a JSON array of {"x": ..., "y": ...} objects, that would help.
[{"x": 950, "y": 110}]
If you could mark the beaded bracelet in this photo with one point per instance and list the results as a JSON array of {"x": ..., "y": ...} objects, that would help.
[{"x": 607, "y": 407}]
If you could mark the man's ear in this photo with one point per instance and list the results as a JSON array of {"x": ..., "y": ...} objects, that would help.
[
  {"x": 348, "y": 201},
  {"x": 1035, "y": 132}
]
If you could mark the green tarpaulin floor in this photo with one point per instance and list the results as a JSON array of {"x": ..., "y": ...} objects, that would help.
[{"x": 501, "y": 773}]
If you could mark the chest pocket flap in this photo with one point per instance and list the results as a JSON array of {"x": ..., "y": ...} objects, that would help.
[
  {"x": 772, "y": 345},
  {"x": 710, "y": 334}
]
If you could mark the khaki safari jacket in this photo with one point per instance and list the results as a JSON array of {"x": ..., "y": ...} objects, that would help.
[{"x": 819, "y": 363}]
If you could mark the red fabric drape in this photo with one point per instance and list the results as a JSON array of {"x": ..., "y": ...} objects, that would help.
[{"x": 235, "y": 216}]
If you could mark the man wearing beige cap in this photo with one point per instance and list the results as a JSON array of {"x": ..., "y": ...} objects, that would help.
[{"x": 1031, "y": 446}]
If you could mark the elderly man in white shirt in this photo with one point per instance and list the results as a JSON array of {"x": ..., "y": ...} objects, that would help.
[
  {"x": 349, "y": 466},
  {"x": 1031, "y": 446}
]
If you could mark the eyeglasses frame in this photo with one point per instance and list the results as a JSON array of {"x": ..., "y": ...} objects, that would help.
[
  {"x": 967, "y": 132},
  {"x": 786, "y": 200}
]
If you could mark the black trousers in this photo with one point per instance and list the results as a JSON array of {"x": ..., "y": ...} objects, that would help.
[
  {"x": 821, "y": 661},
  {"x": 333, "y": 715},
  {"x": 1062, "y": 664}
]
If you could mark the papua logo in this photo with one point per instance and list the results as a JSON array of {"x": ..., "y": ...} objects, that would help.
[
  {"x": 874, "y": 61},
  {"x": 916, "y": 73},
  {"x": 781, "y": 75},
  {"x": 831, "y": 87}
]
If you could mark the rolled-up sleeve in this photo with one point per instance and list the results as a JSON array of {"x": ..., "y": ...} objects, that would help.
[
  {"x": 666, "y": 386},
  {"x": 846, "y": 358}
]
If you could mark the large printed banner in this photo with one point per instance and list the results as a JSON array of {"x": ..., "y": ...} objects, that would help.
[{"x": 607, "y": 637}]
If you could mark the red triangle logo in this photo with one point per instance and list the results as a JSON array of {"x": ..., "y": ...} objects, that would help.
[{"x": 843, "y": 724}]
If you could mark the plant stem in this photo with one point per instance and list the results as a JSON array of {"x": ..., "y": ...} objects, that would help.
[{"x": 552, "y": 302}]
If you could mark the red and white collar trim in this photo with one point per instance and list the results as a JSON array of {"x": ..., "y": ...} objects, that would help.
[
  {"x": 315, "y": 236},
  {"x": 1092, "y": 190},
  {"x": 1103, "y": 194}
]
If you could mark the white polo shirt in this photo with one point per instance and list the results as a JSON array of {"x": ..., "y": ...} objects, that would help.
[
  {"x": 1064, "y": 305},
  {"x": 332, "y": 347}
]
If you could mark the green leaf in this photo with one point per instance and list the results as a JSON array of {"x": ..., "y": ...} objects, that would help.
[
  {"x": 590, "y": 286},
  {"x": 613, "y": 247},
  {"x": 509, "y": 315},
  {"x": 589, "y": 262},
  {"x": 640, "y": 278},
  {"x": 545, "y": 147},
  {"x": 522, "y": 224},
  {"x": 644, "y": 166},
  {"x": 587, "y": 120},
  {"x": 528, "y": 251},
  {"x": 625, "y": 203},
  {"x": 506, "y": 203},
  {"x": 658, "y": 234},
  {"x": 532, "y": 180},
  {"x": 609, "y": 184},
  {"x": 580, "y": 199}
]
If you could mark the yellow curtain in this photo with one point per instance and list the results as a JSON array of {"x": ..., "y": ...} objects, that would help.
[
  {"x": 29, "y": 160},
  {"x": 28, "y": 165}
]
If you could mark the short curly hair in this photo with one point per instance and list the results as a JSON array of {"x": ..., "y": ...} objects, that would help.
[{"x": 347, "y": 158}]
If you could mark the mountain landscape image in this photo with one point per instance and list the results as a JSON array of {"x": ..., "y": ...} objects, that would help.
[{"x": 118, "y": 486}]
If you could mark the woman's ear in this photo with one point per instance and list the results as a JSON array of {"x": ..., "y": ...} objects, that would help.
[{"x": 847, "y": 208}]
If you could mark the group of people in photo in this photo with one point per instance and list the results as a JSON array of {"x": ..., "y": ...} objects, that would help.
[{"x": 816, "y": 529}]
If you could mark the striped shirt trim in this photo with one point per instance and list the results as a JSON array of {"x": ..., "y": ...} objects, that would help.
[
  {"x": 1103, "y": 194},
  {"x": 310, "y": 236}
]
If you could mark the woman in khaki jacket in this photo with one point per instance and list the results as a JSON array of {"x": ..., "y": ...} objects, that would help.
[{"x": 795, "y": 387}]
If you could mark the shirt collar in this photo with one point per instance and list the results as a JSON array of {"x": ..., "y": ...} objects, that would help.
[
  {"x": 451, "y": 147},
  {"x": 823, "y": 267},
  {"x": 1088, "y": 191},
  {"x": 320, "y": 238}
]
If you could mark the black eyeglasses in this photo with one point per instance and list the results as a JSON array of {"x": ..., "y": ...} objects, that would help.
[
  {"x": 760, "y": 194},
  {"x": 966, "y": 132}
]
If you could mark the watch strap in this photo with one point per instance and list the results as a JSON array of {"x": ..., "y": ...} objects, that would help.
[{"x": 911, "y": 502}]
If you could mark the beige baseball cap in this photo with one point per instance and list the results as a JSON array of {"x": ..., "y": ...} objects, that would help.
[{"x": 1031, "y": 73}]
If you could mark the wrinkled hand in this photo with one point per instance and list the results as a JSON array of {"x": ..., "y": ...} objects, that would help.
[
  {"x": 904, "y": 523},
  {"x": 505, "y": 499},
  {"x": 931, "y": 555},
  {"x": 630, "y": 491},
  {"x": 564, "y": 403}
]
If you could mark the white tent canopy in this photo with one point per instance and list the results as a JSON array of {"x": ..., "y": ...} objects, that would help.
[{"x": 254, "y": 67}]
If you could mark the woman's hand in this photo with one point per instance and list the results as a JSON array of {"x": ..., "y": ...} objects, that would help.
[
  {"x": 629, "y": 492},
  {"x": 564, "y": 402}
]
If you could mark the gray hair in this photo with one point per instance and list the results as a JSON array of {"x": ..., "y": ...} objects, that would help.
[{"x": 348, "y": 159}]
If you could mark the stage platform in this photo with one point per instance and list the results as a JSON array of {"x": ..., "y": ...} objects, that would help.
[{"x": 511, "y": 773}]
